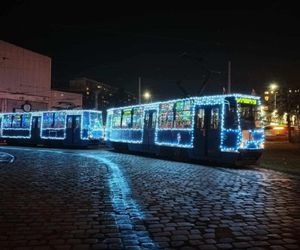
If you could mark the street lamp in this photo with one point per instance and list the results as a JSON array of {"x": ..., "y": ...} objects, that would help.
[
  {"x": 274, "y": 87},
  {"x": 147, "y": 96}
]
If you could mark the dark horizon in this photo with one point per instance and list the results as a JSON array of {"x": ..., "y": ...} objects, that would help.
[{"x": 116, "y": 47}]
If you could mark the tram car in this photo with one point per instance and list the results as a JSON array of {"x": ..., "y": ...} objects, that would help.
[
  {"x": 69, "y": 128},
  {"x": 220, "y": 128}
]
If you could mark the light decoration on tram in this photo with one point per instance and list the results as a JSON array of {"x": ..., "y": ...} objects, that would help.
[
  {"x": 19, "y": 122},
  {"x": 91, "y": 125},
  {"x": 116, "y": 133},
  {"x": 240, "y": 143},
  {"x": 200, "y": 101}
]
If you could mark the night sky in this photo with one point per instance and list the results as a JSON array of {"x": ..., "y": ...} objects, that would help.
[{"x": 116, "y": 43}]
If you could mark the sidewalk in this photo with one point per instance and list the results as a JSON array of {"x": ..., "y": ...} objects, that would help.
[{"x": 282, "y": 156}]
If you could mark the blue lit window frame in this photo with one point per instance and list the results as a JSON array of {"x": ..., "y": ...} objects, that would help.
[
  {"x": 71, "y": 112},
  {"x": 63, "y": 129},
  {"x": 109, "y": 129},
  {"x": 16, "y": 129},
  {"x": 91, "y": 130},
  {"x": 258, "y": 143}
]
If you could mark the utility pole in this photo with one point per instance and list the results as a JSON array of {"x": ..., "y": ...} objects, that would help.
[
  {"x": 288, "y": 106},
  {"x": 229, "y": 77},
  {"x": 96, "y": 105},
  {"x": 140, "y": 90}
]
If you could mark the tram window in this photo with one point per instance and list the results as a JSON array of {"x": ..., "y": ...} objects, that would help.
[
  {"x": 146, "y": 121},
  {"x": 154, "y": 116},
  {"x": 108, "y": 120},
  {"x": 77, "y": 122},
  {"x": 25, "y": 121},
  {"x": 33, "y": 121},
  {"x": 59, "y": 120},
  {"x": 126, "y": 118},
  {"x": 48, "y": 120},
  {"x": 200, "y": 118},
  {"x": 214, "y": 119},
  {"x": 7, "y": 121},
  {"x": 250, "y": 116},
  {"x": 116, "y": 119},
  {"x": 183, "y": 117},
  {"x": 166, "y": 115},
  {"x": 230, "y": 115},
  {"x": 137, "y": 118},
  {"x": 38, "y": 122},
  {"x": 54, "y": 120},
  {"x": 16, "y": 121},
  {"x": 92, "y": 121},
  {"x": 69, "y": 122}
]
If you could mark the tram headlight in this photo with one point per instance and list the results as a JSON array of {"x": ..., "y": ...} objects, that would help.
[
  {"x": 91, "y": 137},
  {"x": 242, "y": 144}
]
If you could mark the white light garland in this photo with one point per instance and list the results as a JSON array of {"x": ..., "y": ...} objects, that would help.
[
  {"x": 194, "y": 101},
  {"x": 94, "y": 133},
  {"x": 10, "y": 129}
]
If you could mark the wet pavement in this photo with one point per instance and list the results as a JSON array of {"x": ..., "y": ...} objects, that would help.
[{"x": 98, "y": 199}]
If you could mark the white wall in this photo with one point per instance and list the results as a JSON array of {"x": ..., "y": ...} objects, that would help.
[{"x": 23, "y": 71}]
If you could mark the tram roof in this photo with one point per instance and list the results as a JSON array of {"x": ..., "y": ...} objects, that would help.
[
  {"x": 67, "y": 111},
  {"x": 213, "y": 98}
]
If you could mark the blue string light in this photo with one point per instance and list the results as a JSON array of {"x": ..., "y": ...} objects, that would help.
[
  {"x": 91, "y": 126},
  {"x": 7, "y": 125},
  {"x": 217, "y": 100}
]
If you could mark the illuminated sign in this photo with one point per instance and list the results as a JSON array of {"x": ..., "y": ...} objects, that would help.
[{"x": 246, "y": 100}]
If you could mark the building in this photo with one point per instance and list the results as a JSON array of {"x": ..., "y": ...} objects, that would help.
[
  {"x": 65, "y": 100},
  {"x": 25, "y": 80},
  {"x": 279, "y": 103},
  {"x": 25, "y": 77},
  {"x": 98, "y": 95}
]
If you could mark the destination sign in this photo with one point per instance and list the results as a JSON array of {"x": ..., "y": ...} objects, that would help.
[{"x": 246, "y": 100}]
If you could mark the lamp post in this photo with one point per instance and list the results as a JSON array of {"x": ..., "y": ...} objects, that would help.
[{"x": 274, "y": 87}]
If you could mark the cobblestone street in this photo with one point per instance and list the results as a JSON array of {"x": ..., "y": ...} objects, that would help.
[{"x": 99, "y": 199}]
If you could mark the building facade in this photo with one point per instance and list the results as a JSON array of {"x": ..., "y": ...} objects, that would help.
[
  {"x": 25, "y": 81},
  {"x": 25, "y": 77},
  {"x": 65, "y": 100},
  {"x": 282, "y": 102}
]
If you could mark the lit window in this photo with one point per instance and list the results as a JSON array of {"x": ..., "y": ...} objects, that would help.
[
  {"x": 214, "y": 119},
  {"x": 166, "y": 115},
  {"x": 200, "y": 118},
  {"x": 137, "y": 118},
  {"x": 183, "y": 116},
  {"x": 116, "y": 119},
  {"x": 126, "y": 118}
]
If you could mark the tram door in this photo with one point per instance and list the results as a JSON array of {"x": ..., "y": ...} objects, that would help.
[
  {"x": 207, "y": 130},
  {"x": 73, "y": 129},
  {"x": 149, "y": 127},
  {"x": 213, "y": 129},
  {"x": 200, "y": 137},
  {"x": 35, "y": 129}
]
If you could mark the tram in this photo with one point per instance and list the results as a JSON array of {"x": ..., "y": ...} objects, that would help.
[
  {"x": 66, "y": 128},
  {"x": 219, "y": 128}
]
